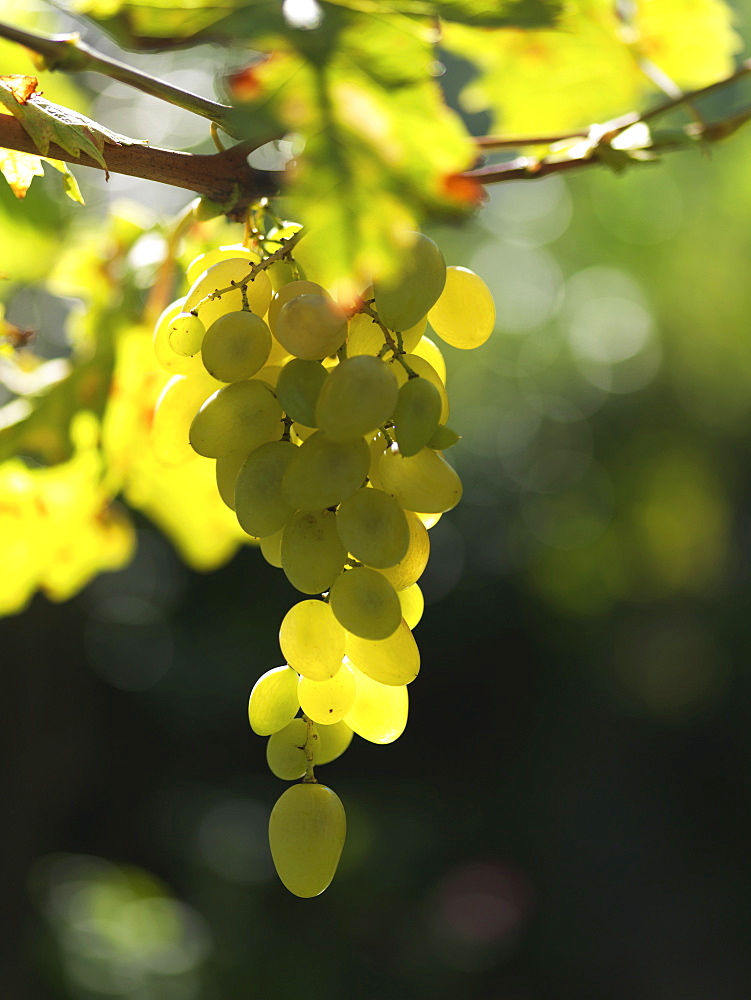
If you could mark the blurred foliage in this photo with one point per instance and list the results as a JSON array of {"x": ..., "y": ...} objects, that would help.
[
  {"x": 568, "y": 813},
  {"x": 601, "y": 60}
]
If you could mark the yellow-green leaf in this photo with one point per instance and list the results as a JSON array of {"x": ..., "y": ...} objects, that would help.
[
  {"x": 46, "y": 123},
  {"x": 70, "y": 184},
  {"x": 19, "y": 170},
  {"x": 595, "y": 65}
]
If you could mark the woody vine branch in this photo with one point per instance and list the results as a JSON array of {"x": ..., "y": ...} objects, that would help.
[{"x": 225, "y": 177}]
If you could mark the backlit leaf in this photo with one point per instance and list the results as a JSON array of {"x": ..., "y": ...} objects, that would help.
[
  {"x": 379, "y": 142},
  {"x": 595, "y": 65},
  {"x": 46, "y": 123},
  {"x": 154, "y": 25}
]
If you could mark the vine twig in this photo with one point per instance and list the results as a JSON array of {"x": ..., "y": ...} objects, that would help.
[
  {"x": 70, "y": 54},
  {"x": 218, "y": 176}
]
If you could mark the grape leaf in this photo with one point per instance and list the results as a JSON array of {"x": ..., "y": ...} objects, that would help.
[
  {"x": 380, "y": 146},
  {"x": 19, "y": 170},
  {"x": 47, "y": 123},
  {"x": 596, "y": 65},
  {"x": 143, "y": 25}
]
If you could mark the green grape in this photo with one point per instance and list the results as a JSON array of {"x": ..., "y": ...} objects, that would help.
[
  {"x": 206, "y": 260},
  {"x": 332, "y": 741},
  {"x": 413, "y": 605},
  {"x": 373, "y": 527},
  {"x": 403, "y": 300},
  {"x": 425, "y": 370},
  {"x": 412, "y": 336},
  {"x": 259, "y": 505},
  {"x": 298, "y": 388},
  {"x": 443, "y": 437},
  {"x": 365, "y": 603},
  {"x": 273, "y": 701},
  {"x": 173, "y": 413},
  {"x": 281, "y": 273},
  {"x": 464, "y": 315},
  {"x": 285, "y": 751},
  {"x": 359, "y": 395},
  {"x": 312, "y": 640},
  {"x": 275, "y": 241},
  {"x": 328, "y": 701},
  {"x": 235, "y": 346},
  {"x": 271, "y": 548},
  {"x": 301, "y": 433},
  {"x": 166, "y": 357},
  {"x": 222, "y": 275},
  {"x": 392, "y": 661},
  {"x": 428, "y": 520},
  {"x": 379, "y": 711},
  {"x": 227, "y": 469},
  {"x": 270, "y": 375},
  {"x": 185, "y": 334},
  {"x": 312, "y": 552},
  {"x": 279, "y": 355},
  {"x": 410, "y": 568},
  {"x": 424, "y": 482},
  {"x": 416, "y": 415},
  {"x": 364, "y": 336},
  {"x": 307, "y": 828},
  {"x": 323, "y": 473},
  {"x": 377, "y": 445},
  {"x": 311, "y": 326},
  {"x": 290, "y": 291},
  {"x": 241, "y": 416},
  {"x": 430, "y": 352}
]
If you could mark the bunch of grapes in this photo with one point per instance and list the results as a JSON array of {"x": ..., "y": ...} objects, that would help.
[{"x": 327, "y": 426}]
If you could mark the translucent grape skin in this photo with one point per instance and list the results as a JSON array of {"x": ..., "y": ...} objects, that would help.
[
  {"x": 423, "y": 482},
  {"x": 464, "y": 314},
  {"x": 373, "y": 527},
  {"x": 312, "y": 640},
  {"x": 312, "y": 552},
  {"x": 258, "y": 502},
  {"x": 329, "y": 701},
  {"x": 222, "y": 275},
  {"x": 285, "y": 751},
  {"x": 365, "y": 603},
  {"x": 416, "y": 415},
  {"x": 358, "y": 396},
  {"x": 236, "y": 346},
  {"x": 393, "y": 661},
  {"x": 241, "y": 416},
  {"x": 273, "y": 701},
  {"x": 323, "y": 473},
  {"x": 379, "y": 711},
  {"x": 307, "y": 829},
  {"x": 186, "y": 333},
  {"x": 298, "y": 388},
  {"x": 311, "y": 327},
  {"x": 402, "y": 300},
  {"x": 289, "y": 291},
  {"x": 410, "y": 568}
]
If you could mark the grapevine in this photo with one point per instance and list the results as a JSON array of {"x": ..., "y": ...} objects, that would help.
[{"x": 327, "y": 424}]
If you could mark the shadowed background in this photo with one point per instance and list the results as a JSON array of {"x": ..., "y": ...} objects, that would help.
[{"x": 569, "y": 809}]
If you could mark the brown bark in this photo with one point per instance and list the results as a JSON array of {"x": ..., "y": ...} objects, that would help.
[{"x": 218, "y": 176}]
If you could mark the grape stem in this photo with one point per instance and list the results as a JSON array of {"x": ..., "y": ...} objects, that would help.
[
  {"x": 310, "y": 739},
  {"x": 395, "y": 346},
  {"x": 286, "y": 248}
]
